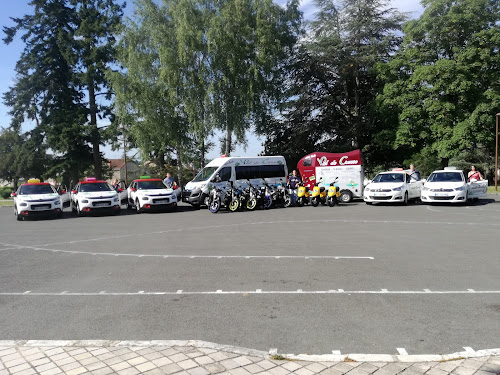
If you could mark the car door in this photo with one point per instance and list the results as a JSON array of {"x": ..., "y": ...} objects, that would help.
[
  {"x": 413, "y": 187},
  {"x": 73, "y": 195},
  {"x": 225, "y": 178},
  {"x": 65, "y": 196},
  {"x": 131, "y": 192},
  {"x": 122, "y": 192}
]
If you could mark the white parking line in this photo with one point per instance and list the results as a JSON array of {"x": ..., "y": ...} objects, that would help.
[
  {"x": 257, "y": 291},
  {"x": 402, "y": 351}
]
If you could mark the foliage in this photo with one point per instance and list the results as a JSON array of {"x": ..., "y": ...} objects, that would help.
[{"x": 5, "y": 191}]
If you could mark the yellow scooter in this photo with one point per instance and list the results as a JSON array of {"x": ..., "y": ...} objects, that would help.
[
  {"x": 333, "y": 194},
  {"x": 318, "y": 194},
  {"x": 302, "y": 195}
]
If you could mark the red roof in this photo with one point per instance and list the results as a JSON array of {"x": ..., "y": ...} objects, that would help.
[
  {"x": 148, "y": 179},
  {"x": 93, "y": 182},
  {"x": 116, "y": 163}
]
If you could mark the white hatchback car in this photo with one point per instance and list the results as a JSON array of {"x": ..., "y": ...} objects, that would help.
[
  {"x": 149, "y": 194},
  {"x": 94, "y": 195},
  {"x": 392, "y": 187},
  {"x": 37, "y": 198},
  {"x": 451, "y": 186}
]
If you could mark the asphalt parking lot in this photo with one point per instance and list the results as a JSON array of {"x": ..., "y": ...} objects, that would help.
[{"x": 353, "y": 278}]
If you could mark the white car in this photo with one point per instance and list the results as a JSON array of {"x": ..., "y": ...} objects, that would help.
[
  {"x": 451, "y": 186},
  {"x": 392, "y": 187},
  {"x": 37, "y": 198},
  {"x": 150, "y": 194},
  {"x": 93, "y": 195}
]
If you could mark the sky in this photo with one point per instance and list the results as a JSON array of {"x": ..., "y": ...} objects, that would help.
[{"x": 9, "y": 54}]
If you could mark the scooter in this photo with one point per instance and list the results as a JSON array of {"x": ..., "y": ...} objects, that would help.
[
  {"x": 283, "y": 198},
  {"x": 318, "y": 194},
  {"x": 302, "y": 194},
  {"x": 253, "y": 197},
  {"x": 333, "y": 194}
]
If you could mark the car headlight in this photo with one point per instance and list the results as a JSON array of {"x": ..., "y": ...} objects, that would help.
[
  {"x": 145, "y": 198},
  {"x": 115, "y": 200},
  {"x": 461, "y": 188},
  {"x": 397, "y": 188},
  {"x": 85, "y": 201},
  {"x": 367, "y": 189},
  {"x": 425, "y": 188},
  {"x": 22, "y": 204},
  {"x": 57, "y": 202}
]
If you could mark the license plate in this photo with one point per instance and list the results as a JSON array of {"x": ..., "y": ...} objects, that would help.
[
  {"x": 40, "y": 208},
  {"x": 162, "y": 201},
  {"x": 380, "y": 194},
  {"x": 101, "y": 204},
  {"x": 441, "y": 194}
]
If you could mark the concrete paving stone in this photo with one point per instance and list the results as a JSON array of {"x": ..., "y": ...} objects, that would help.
[
  {"x": 253, "y": 368},
  {"x": 104, "y": 356},
  {"x": 328, "y": 364},
  {"x": 75, "y": 351},
  {"x": 214, "y": 368},
  {"x": 231, "y": 355},
  {"x": 472, "y": 364},
  {"x": 121, "y": 351},
  {"x": 85, "y": 355},
  {"x": 207, "y": 350},
  {"x": 446, "y": 366},
  {"x": 367, "y": 367},
  {"x": 103, "y": 371},
  {"x": 421, "y": 366},
  {"x": 494, "y": 360},
  {"x": 99, "y": 351},
  {"x": 137, "y": 361},
  {"x": 382, "y": 371},
  {"x": 171, "y": 368},
  {"x": 481, "y": 372},
  {"x": 4, "y": 372},
  {"x": 30, "y": 371},
  {"x": 112, "y": 361},
  {"x": 464, "y": 371},
  {"x": 291, "y": 366},
  {"x": 242, "y": 360},
  {"x": 120, "y": 366},
  {"x": 53, "y": 371},
  {"x": 239, "y": 371},
  {"x": 357, "y": 371},
  {"x": 88, "y": 361},
  {"x": 7, "y": 351},
  {"x": 26, "y": 351},
  {"x": 95, "y": 366},
  {"x": 379, "y": 364},
  {"x": 278, "y": 370},
  {"x": 155, "y": 371},
  {"x": 342, "y": 367},
  {"x": 218, "y": 356},
  {"x": 146, "y": 351},
  {"x": 14, "y": 362},
  {"x": 178, "y": 357},
  {"x": 491, "y": 367},
  {"x": 34, "y": 356},
  {"x": 316, "y": 367},
  {"x": 152, "y": 356},
  {"x": 198, "y": 371},
  {"x": 229, "y": 364},
  {"x": 435, "y": 371},
  {"x": 413, "y": 371},
  {"x": 45, "y": 367},
  {"x": 161, "y": 361},
  {"x": 143, "y": 367},
  {"x": 77, "y": 371},
  {"x": 1, "y": 366},
  {"x": 254, "y": 359},
  {"x": 11, "y": 357},
  {"x": 129, "y": 371},
  {"x": 397, "y": 367},
  {"x": 303, "y": 371},
  {"x": 53, "y": 351},
  {"x": 332, "y": 371},
  {"x": 266, "y": 364},
  {"x": 187, "y": 364},
  {"x": 194, "y": 354},
  {"x": 168, "y": 352},
  {"x": 65, "y": 361},
  {"x": 59, "y": 356},
  {"x": 204, "y": 360},
  {"x": 70, "y": 366},
  {"x": 130, "y": 355},
  {"x": 18, "y": 368}
]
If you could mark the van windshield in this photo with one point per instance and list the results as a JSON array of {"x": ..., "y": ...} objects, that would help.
[{"x": 205, "y": 174}]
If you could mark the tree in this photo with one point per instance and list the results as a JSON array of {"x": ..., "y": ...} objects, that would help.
[
  {"x": 443, "y": 83},
  {"x": 97, "y": 24},
  {"x": 332, "y": 79}
]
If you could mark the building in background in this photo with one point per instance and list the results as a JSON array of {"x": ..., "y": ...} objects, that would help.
[{"x": 117, "y": 167}]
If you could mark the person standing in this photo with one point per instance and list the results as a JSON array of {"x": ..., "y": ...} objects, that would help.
[
  {"x": 474, "y": 174},
  {"x": 414, "y": 174},
  {"x": 169, "y": 180},
  {"x": 293, "y": 181}
]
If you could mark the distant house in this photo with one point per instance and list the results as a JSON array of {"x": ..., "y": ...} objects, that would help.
[{"x": 118, "y": 168}]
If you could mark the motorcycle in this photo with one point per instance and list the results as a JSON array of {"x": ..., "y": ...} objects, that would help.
[
  {"x": 283, "y": 198},
  {"x": 318, "y": 194},
  {"x": 267, "y": 194},
  {"x": 333, "y": 194},
  {"x": 219, "y": 197},
  {"x": 253, "y": 197},
  {"x": 302, "y": 194}
]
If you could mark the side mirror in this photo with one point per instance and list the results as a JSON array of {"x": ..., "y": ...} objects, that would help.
[
  {"x": 13, "y": 194},
  {"x": 74, "y": 192},
  {"x": 175, "y": 187},
  {"x": 62, "y": 192},
  {"x": 120, "y": 190},
  {"x": 132, "y": 189}
]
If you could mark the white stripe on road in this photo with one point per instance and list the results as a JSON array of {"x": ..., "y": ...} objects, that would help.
[
  {"x": 257, "y": 291},
  {"x": 402, "y": 351}
]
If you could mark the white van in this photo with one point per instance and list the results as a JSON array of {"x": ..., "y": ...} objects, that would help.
[{"x": 237, "y": 169}]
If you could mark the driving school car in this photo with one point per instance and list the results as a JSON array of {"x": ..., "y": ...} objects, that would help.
[
  {"x": 150, "y": 194},
  {"x": 451, "y": 186},
  {"x": 392, "y": 187},
  {"x": 37, "y": 198},
  {"x": 93, "y": 195}
]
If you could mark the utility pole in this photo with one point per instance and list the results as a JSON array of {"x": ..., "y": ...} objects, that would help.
[
  {"x": 496, "y": 156},
  {"x": 125, "y": 153}
]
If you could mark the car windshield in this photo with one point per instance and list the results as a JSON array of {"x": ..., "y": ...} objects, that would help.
[
  {"x": 95, "y": 187},
  {"x": 36, "y": 189},
  {"x": 205, "y": 174},
  {"x": 445, "y": 177},
  {"x": 389, "y": 177},
  {"x": 149, "y": 185}
]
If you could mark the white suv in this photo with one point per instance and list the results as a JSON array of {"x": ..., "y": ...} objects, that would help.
[{"x": 391, "y": 187}]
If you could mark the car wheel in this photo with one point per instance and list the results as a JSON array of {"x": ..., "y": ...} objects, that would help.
[
  {"x": 369, "y": 203},
  {"x": 78, "y": 211},
  {"x": 137, "y": 207},
  {"x": 18, "y": 217},
  {"x": 405, "y": 200},
  {"x": 345, "y": 196},
  {"x": 73, "y": 208}
]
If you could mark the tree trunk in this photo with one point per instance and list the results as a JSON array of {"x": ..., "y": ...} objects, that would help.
[
  {"x": 95, "y": 132},
  {"x": 444, "y": 162},
  {"x": 179, "y": 167},
  {"x": 202, "y": 154},
  {"x": 228, "y": 140}
]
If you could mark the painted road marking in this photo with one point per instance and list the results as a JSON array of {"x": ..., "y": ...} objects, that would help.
[
  {"x": 336, "y": 352},
  {"x": 257, "y": 291},
  {"x": 402, "y": 351},
  {"x": 469, "y": 350}
]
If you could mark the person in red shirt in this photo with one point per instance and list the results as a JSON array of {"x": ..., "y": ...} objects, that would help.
[{"x": 474, "y": 175}]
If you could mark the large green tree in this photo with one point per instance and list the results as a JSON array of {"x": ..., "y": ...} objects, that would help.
[{"x": 443, "y": 84}]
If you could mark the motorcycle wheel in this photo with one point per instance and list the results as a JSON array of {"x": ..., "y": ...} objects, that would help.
[
  {"x": 251, "y": 204},
  {"x": 331, "y": 202},
  {"x": 268, "y": 201},
  {"x": 233, "y": 206},
  {"x": 214, "y": 206},
  {"x": 288, "y": 200},
  {"x": 300, "y": 202},
  {"x": 315, "y": 202}
]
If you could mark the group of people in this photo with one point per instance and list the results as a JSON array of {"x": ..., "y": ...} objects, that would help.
[
  {"x": 473, "y": 175},
  {"x": 169, "y": 181}
]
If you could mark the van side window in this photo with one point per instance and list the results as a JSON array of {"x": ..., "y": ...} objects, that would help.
[
  {"x": 247, "y": 172},
  {"x": 225, "y": 174},
  {"x": 272, "y": 171},
  {"x": 307, "y": 162}
]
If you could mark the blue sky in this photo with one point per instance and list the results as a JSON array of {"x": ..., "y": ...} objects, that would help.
[{"x": 10, "y": 54}]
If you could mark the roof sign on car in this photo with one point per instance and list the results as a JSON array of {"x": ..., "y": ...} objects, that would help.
[
  {"x": 144, "y": 177},
  {"x": 34, "y": 181},
  {"x": 90, "y": 179},
  {"x": 450, "y": 168},
  {"x": 397, "y": 169}
]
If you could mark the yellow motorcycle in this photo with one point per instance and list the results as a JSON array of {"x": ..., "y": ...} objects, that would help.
[
  {"x": 333, "y": 194},
  {"x": 318, "y": 194},
  {"x": 302, "y": 195}
]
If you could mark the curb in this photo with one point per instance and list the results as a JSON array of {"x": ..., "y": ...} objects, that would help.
[{"x": 273, "y": 353}]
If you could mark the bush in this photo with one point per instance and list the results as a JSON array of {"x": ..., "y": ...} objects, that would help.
[{"x": 5, "y": 192}]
